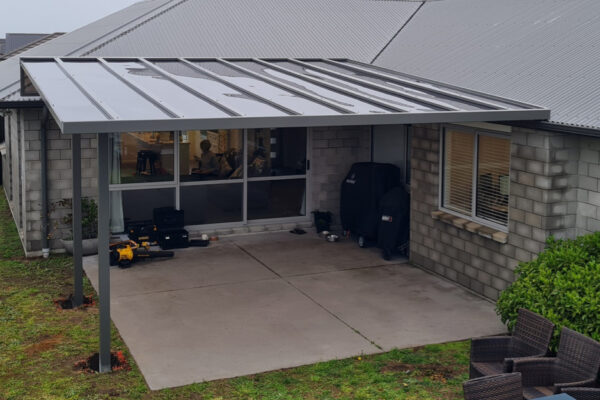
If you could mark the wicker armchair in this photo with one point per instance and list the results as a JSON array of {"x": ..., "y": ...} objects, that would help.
[
  {"x": 576, "y": 364},
  {"x": 494, "y": 387},
  {"x": 494, "y": 355},
  {"x": 583, "y": 393}
]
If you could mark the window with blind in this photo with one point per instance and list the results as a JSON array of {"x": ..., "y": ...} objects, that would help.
[{"x": 475, "y": 175}]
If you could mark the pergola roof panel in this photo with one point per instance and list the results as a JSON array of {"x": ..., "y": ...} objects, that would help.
[
  {"x": 94, "y": 95},
  {"x": 179, "y": 101},
  {"x": 119, "y": 100}
]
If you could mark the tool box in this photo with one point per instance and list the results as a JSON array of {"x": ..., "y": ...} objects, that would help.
[
  {"x": 168, "y": 218},
  {"x": 142, "y": 231},
  {"x": 173, "y": 239}
]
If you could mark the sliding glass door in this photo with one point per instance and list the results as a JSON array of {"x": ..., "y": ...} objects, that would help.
[
  {"x": 277, "y": 162},
  {"x": 212, "y": 176},
  {"x": 218, "y": 177}
]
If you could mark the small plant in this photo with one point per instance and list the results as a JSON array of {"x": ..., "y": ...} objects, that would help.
[
  {"x": 562, "y": 284},
  {"x": 89, "y": 216}
]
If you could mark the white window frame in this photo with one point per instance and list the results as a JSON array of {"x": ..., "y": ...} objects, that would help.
[{"x": 476, "y": 134}]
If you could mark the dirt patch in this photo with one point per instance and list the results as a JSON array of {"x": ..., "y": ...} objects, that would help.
[
  {"x": 66, "y": 303},
  {"x": 43, "y": 345},
  {"x": 436, "y": 372},
  {"x": 118, "y": 362}
]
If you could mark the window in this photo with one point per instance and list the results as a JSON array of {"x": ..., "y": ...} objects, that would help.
[
  {"x": 276, "y": 152},
  {"x": 475, "y": 175},
  {"x": 142, "y": 157},
  {"x": 229, "y": 177},
  {"x": 276, "y": 173},
  {"x": 211, "y": 155}
]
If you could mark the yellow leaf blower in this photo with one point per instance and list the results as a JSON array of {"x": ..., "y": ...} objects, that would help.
[{"x": 127, "y": 252}]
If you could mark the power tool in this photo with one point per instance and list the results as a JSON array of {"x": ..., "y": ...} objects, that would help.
[{"x": 125, "y": 253}]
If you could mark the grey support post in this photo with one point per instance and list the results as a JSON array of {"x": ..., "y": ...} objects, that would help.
[
  {"x": 77, "y": 234},
  {"x": 103, "y": 254}
]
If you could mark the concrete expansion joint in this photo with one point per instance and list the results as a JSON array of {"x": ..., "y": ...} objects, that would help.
[
  {"x": 309, "y": 297},
  {"x": 151, "y": 292}
]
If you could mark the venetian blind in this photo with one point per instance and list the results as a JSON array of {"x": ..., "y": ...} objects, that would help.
[
  {"x": 493, "y": 167},
  {"x": 458, "y": 171}
]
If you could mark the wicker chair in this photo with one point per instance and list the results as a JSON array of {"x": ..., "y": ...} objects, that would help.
[
  {"x": 494, "y": 387},
  {"x": 576, "y": 364},
  {"x": 495, "y": 355},
  {"x": 583, "y": 393}
]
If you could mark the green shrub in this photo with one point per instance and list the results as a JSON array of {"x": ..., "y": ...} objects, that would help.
[{"x": 562, "y": 284}]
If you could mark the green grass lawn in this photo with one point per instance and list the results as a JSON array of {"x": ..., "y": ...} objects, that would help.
[{"x": 39, "y": 346}]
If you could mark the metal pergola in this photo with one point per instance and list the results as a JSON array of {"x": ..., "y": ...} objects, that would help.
[{"x": 115, "y": 95}]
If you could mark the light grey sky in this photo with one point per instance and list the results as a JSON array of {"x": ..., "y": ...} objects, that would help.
[{"x": 48, "y": 16}]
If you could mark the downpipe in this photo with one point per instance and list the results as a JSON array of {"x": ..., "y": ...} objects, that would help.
[{"x": 44, "y": 172}]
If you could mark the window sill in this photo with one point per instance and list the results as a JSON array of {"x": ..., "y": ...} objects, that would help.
[{"x": 471, "y": 226}]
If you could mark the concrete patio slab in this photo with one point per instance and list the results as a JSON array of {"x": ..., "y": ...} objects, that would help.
[
  {"x": 290, "y": 255},
  {"x": 217, "y": 264},
  {"x": 186, "y": 336},
  {"x": 256, "y": 303},
  {"x": 401, "y": 306}
]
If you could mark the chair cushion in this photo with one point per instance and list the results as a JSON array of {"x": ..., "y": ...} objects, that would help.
[
  {"x": 533, "y": 392},
  {"x": 486, "y": 368}
]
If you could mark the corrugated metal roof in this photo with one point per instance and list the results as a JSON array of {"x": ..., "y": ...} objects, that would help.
[
  {"x": 134, "y": 94},
  {"x": 31, "y": 45},
  {"x": 540, "y": 51},
  {"x": 76, "y": 42},
  {"x": 354, "y": 29},
  {"x": 16, "y": 41}
]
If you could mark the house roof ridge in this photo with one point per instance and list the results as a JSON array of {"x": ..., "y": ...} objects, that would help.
[
  {"x": 31, "y": 45},
  {"x": 109, "y": 36},
  {"x": 398, "y": 32},
  {"x": 138, "y": 25}
]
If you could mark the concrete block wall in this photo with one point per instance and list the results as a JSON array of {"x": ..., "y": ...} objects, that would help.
[
  {"x": 334, "y": 150},
  {"x": 59, "y": 179},
  {"x": 588, "y": 185},
  {"x": 541, "y": 192}
]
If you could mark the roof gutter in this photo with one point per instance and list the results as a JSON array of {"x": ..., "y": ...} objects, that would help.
[
  {"x": 554, "y": 127},
  {"x": 21, "y": 104}
]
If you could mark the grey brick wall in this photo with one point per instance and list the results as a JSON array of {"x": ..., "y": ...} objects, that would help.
[
  {"x": 59, "y": 179},
  {"x": 334, "y": 150},
  {"x": 543, "y": 201},
  {"x": 587, "y": 186}
]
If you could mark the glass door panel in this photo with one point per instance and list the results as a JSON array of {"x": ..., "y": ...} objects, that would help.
[
  {"x": 212, "y": 204},
  {"x": 276, "y": 152},
  {"x": 211, "y": 155},
  {"x": 277, "y": 160},
  {"x": 139, "y": 157},
  {"x": 280, "y": 198}
]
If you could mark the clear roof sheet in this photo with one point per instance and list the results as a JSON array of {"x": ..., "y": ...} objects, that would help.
[{"x": 95, "y": 95}]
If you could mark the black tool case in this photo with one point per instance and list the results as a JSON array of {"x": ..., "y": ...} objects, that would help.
[
  {"x": 361, "y": 192},
  {"x": 394, "y": 222},
  {"x": 141, "y": 231},
  {"x": 168, "y": 218},
  {"x": 173, "y": 239}
]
